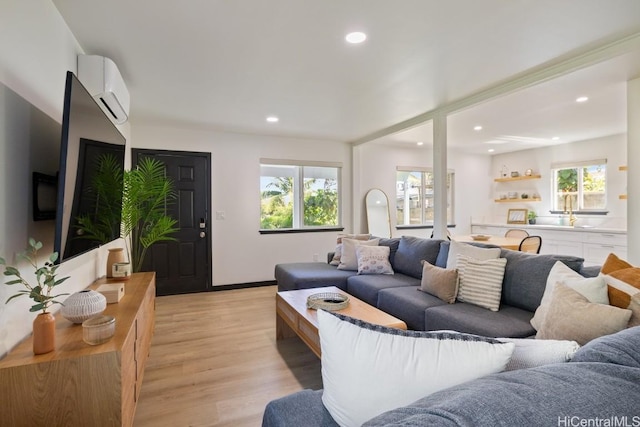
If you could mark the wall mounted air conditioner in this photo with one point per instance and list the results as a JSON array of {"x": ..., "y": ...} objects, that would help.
[{"x": 100, "y": 76}]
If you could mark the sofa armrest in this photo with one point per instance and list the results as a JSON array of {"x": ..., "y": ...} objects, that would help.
[{"x": 303, "y": 408}]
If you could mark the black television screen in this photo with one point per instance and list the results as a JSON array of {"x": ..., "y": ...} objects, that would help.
[{"x": 89, "y": 199}]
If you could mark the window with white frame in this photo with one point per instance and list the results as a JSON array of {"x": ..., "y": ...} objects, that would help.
[
  {"x": 299, "y": 195},
  {"x": 579, "y": 186},
  {"x": 414, "y": 196}
]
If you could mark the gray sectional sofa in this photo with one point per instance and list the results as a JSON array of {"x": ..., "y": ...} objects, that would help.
[
  {"x": 399, "y": 295},
  {"x": 599, "y": 386}
]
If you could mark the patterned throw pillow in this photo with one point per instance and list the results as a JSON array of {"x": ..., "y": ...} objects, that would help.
[
  {"x": 481, "y": 281},
  {"x": 348, "y": 260},
  {"x": 373, "y": 259}
]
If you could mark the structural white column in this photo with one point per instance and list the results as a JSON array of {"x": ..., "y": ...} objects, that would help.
[
  {"x": 440, "y": 175},
  {"x": 633, "y": 174}
]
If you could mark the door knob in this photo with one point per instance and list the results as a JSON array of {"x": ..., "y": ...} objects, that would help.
[{"x": 202, "y": 234}]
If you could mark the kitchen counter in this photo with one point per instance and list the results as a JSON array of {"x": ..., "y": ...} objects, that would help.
[{"x": 581, "y": 228}]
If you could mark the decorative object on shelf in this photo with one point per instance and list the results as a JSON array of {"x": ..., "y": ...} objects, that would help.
[
  {"x": 44, "y": 323},
  {"x": 517, "y": 216},
  {"x": 515, "y": 174},
  {"x": 330, "y": 301},
  {"x": 503, "y": 196},
  {"x": 503, "y": 171},
  {"x": 524, "y": 196},
  {"x": 512, "y": 195},
  {"x": 98, "y": 330},
  {"x": 480, "y": 237},
  {"x": 116, "y": 255},
  {"x": 83, "y": 305},
  {"x": 121, "y": 270},
  {"x": 531, "y": 216},
  {"x": 113, "y": 292},
  {"x": 528, "y": 172}
]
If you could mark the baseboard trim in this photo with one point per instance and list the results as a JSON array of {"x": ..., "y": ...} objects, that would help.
[{"x": 243, "y": 285}]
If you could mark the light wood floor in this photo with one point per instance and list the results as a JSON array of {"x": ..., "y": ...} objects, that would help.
[{"x": 215, "y": 361}]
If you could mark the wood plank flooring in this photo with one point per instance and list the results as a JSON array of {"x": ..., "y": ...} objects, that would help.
[{"x": 215, "y": 361}]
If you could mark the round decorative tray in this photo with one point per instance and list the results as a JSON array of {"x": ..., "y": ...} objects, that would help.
[
  {"x": 330, "y": 301},
  {"x": 480, "y": 237}
]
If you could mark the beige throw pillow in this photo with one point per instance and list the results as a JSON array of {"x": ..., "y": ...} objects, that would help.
[
  {"x": 634, "y": 306},
  {"x": 349, "y": 260},
  {"x": 572, "y": 317},
  {"x": 481, "y": 281},
  {"x": 337, "y": 253},
  {"x": 439, "y": 282},
  {"x": 593, "y": 288},
  {"x": 458, "y": 248}
]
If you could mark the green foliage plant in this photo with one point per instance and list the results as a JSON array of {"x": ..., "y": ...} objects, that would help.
[
  {"x": 147, "y": 191},
  {"x": 46, "y": 280},
  {"x": 532, "y": 215}
]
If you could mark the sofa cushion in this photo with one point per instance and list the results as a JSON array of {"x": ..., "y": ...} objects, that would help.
[
  {"x": 481, "y": 281},
  {"x": 303, "y": 408},
  {"x": 592, "y": 288},
  {"x": 531, "y": 353},
  {"x": 411, "y": 251},
  {"x": 393, "y": 244},
  {"x": 439, "y": 282},
  {"x": 511, "y": 322},
  {"x": 621, "y": 349},
  {"x": 571, "y": 316},
  {"x": 525, "y": 276},
  {"x": 407, "y": 303},
  {"x": 471, "y": 251},
  {"x": 373, "y": 260},
  {"x": 366, "y": 288},
  {"x": 305, "y": 275},
  {"x": 349, "y": 260},
  {"x": 550, "y": 395},
  {"x": 368, "y": 369}
]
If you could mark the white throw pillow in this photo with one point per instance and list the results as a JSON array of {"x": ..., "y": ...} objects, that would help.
[
  {"x": 592, "y": 288},
  {"x": 481, "y": 281},
  {"x": 369, "y": 369},
  {"x": 337, "y": 253},
  {"x": 349, "y": 260},
  {"x": 373, "y": 259},
  {"x": 530, "y": 353},
  {"x": 458, "y": 248}
]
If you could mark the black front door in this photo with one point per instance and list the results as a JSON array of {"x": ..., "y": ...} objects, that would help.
[{"x": 184, "y": 265}]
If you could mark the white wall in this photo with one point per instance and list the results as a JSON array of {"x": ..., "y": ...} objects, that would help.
[
  {"x": 612, "y": 148},
  {"x": 36, "y": 50},
  {"x": 240, "y": 253},
  {"x": 633, "y": 175},
  {"x": 376, "y": 168}
]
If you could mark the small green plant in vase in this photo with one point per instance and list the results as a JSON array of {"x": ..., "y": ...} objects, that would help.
[
  {"x": 532, "y": 217},
  {"x": 41, "y": 293}
]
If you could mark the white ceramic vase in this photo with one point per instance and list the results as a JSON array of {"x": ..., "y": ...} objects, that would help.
[{"x": 83, "y": 305}]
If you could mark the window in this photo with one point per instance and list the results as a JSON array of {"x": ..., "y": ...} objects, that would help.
[
  {"x": 580, "y": 187},
  {"x": 299, "y": 196},
  {"x": 414, "y": 197}
]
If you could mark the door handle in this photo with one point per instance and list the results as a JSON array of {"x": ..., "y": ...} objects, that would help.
[{"x": 202, "y": 234}]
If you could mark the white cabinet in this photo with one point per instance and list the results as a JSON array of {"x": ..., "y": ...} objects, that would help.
[{"x": 597, "y": 246}]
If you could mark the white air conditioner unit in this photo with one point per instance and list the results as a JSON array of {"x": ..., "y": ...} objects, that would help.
[{"x": 100, "y": 76}]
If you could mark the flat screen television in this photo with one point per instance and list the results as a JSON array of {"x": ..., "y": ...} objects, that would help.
[{"x": 89, "y": 197}]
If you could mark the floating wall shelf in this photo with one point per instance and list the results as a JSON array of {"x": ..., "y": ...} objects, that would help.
[
  {"x": 518, "y": 200},
  {"x": 517, "y": 178}
]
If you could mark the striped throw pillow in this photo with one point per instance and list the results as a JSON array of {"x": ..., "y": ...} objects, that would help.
[{"x": 481, "y": 281}]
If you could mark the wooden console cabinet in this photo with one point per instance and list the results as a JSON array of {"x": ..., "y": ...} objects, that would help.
[{"x": 79, "y": 384}]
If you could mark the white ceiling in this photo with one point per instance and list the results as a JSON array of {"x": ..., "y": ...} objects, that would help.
[{"x": 227, "y": 64}]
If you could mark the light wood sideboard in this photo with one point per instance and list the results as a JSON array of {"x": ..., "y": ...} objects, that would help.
[{"x": 79, "y": 384}]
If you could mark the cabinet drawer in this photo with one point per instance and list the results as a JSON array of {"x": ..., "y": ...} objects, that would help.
[
  {"x": 559, "y": 236},
  {"x": 596, "y": 254},
  {"x": 606, "y": 238}
]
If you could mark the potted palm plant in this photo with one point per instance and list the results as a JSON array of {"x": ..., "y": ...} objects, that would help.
[
  {"x": 41, "y": 293},
  {"x": 147, "y": 191}
]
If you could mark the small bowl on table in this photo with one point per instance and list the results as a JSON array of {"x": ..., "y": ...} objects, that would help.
[{"x": 480, "y": 237}]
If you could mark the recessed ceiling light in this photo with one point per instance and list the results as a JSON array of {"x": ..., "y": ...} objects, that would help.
[
  {"x": 419, "y": 143},
  {"x": 477, "y": 127},
  {"x": 273, "y": 119},
  {"x": 491, "y": 150},
  {"x": 555, "y": 138},
  {"x": 356, "y": 37},
  {"x": 582, "y": 99}
]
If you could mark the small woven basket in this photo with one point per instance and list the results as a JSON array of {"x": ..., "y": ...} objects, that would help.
[{"x": 330, "y": 301}]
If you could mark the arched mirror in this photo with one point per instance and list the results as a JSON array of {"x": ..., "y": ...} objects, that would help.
[{"x": 377, "y": 205}]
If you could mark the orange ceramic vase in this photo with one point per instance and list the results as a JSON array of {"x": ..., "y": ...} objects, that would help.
[{"x": 44, "y": 333}]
